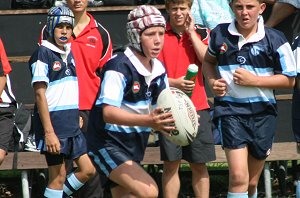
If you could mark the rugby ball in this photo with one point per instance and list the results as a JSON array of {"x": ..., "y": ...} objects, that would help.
[{"x": 184, "y": 113}]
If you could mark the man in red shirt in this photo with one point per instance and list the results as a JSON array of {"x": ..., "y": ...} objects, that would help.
[
  {"x": 7, "y": 104},
  {"x": 185, "y": 44}
]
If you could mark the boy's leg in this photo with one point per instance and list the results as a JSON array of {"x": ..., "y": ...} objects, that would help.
[
  {"x": 238, "y": 170},
  {"x": 200, "y": 179},
  {"x": 255, "y": 167},
  {"x": 85, "y": 169},
  {"x": 134, "y": 180},
  {"x": 170, "y": 178},
  {"x": 57, "y": 176}
]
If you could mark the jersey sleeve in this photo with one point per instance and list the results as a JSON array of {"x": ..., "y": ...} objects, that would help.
[
  {"x": 38, "y": 65},
  {"x": 112, "y": 88},
  {"x": 203, "y": 32},
  {"x": 212, "y": 49},
  {"x": 284, "y": 59},
  {"x": 296, "y": 52},
  {"x": 5, "y": 67}
]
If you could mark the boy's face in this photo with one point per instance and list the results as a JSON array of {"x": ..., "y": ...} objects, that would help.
[
  {"x": 77, "y": 5},
  {"x": 152, "y": 40},
  {"x": 178, "y": 14},
  {"x": 246, "y": 13},
  {"x": 62, "y": 34}
]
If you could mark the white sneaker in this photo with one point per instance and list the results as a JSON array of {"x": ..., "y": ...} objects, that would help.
[{"x": 30, "y": 144}]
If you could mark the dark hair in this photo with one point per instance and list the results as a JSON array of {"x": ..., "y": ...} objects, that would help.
[
  {"x": 260, "y": 1},
  {"x": 167, "y": 2}
]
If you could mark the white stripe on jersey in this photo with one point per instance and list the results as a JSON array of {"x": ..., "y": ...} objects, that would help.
[
  {"x": 64, "y": 88},
  {"x": 287, "y": 60}
]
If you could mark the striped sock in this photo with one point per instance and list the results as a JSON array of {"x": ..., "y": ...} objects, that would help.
[
  {"x": 237, "y": 195},
  {"x": 51, "y": 193},
  {"x": 71, "y": 185}
]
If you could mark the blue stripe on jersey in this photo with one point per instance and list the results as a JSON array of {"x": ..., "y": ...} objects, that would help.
[
  {"x": 39, "y": 79},
  {"x": 63, "y": 80},
  {"x": 247, "y": 100},
  {"x": 126, "y": 129},
  {"x": 65, "y": 107},
  {"x": 257, "y": 70}
]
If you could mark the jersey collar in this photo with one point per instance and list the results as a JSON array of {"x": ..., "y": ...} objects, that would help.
[
  {"x": 259, "y": 35},
  {"x": 157, "y": 67}
]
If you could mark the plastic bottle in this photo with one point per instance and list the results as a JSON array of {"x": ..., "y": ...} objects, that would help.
[{"x": 191, "y": 74}]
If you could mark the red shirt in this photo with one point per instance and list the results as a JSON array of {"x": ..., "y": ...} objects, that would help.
[
  {"x": 87, "y": 49},
  {"x": 177, "y": 54},
  {"x": 5, "y": 67}
]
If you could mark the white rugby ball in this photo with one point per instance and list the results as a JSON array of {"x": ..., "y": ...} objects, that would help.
[{"x": 184, "y": 113}]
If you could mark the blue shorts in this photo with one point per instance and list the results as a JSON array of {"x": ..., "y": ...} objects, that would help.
[
  {"x": 70, "y": 148},
  {"x": 296, "y": 114},
  {"x": 254, "y": 131},
  {"x": 108, "y": 158}
]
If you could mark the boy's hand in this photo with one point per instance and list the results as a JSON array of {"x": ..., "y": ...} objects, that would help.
[
  {"x": 186, "y": 86},
  {"x": 189, "y": 24},
  {"x": 52, "y": 143},
  {"x": 162, "y": 121},
  {"x": 243, "y": 77},
  {"x": 219, "y": 87}
]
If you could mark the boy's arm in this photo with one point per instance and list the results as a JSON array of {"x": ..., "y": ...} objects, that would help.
[
  {"x": 218, "y": 86},
  {"x": 156, "y": 119},
  {"x": 245, "y": 78},
  {"x": 199, "y": 47},
  {"x": 51, "y": 140}
]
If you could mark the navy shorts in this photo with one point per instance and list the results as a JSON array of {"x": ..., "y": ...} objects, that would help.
[
  {"x": 254, "y": 131},
  {"x": 108, "y": 158},
  {"x": 6, "y": 125},
  {"x": 296, "y": 114},
  {"x": 70, "y": 148},
  {"x": 201, "y": 150}
]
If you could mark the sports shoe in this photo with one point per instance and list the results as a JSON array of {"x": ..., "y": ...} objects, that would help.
[{"x": 30, "y": 144}]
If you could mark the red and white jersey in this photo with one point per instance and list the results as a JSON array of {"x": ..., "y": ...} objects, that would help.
[
  {"x": 7, "y": 95},
  {"x": 178, "y": 53}
]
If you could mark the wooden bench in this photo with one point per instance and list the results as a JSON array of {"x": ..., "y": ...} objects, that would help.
[{"x": 28, "y": 161}]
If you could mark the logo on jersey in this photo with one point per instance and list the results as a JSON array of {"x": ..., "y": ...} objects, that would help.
[
  {"x": 255, "y": 50},
  {"x": 223, "y": 48},
  {"x": 56, "y": 66},
  {"x": 91, "y": 41},
  {"x": 241, "y": 59},
  {"x": 136, "y": 87}
]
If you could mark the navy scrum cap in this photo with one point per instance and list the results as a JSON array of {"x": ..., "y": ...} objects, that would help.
[{"x": 57, "y": 15}]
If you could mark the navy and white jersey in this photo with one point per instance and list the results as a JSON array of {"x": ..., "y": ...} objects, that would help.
[
  {"x": 126, "y": 84},
  {"x": 265, "y": 53},
  {"x": 57, "y": 69},
  {"x": 296, "y": 51}
]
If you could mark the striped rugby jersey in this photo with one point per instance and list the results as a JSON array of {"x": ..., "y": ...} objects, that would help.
[{"x": 264, "y": 54}]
